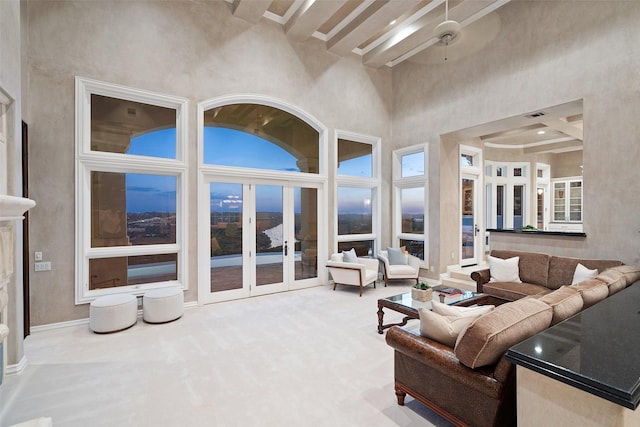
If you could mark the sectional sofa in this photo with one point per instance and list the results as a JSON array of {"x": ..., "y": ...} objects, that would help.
[{"x": 472, "y": 383}]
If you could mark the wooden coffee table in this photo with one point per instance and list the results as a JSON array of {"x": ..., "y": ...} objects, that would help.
[{"x": 408, "y": 306}]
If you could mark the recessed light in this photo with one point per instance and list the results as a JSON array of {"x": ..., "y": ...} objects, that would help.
[
  {"x": 393, "y": 22},
  {"x": 541, "y": 132}
]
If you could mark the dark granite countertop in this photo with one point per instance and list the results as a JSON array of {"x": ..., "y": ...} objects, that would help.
[
  {"x": 537, "y": 232},
  {"x": 597, "y": 350}
]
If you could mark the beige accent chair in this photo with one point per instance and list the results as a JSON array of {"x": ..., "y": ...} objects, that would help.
[
  {"x": 410, "y": 270},
  {"x": 361, "y": 273}
]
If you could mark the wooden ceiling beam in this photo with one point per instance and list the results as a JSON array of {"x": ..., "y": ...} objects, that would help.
[{"x": 250, "y": 10}]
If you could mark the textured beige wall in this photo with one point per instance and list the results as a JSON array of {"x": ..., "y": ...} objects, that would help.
[
  {"x": 544, "y": 54},
  {"x": 192, "y": 49},
  {"x": 10, "y": 81}
]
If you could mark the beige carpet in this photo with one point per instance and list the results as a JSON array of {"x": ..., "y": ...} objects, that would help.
[{"x": 311, "y": 357}]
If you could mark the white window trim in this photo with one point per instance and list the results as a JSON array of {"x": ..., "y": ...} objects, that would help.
[
  {"x": 88, "y": 161},
  {"x": 400, "y": 183},
  {"x": 373, "y": 183},
  {"x": 233, "y": 174},
  {"x": 509, "y": 181}
]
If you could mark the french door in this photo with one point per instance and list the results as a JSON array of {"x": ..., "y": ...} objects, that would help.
[
  {"x": 470, "y": 236},
  {"x": 262, "y": 238}
]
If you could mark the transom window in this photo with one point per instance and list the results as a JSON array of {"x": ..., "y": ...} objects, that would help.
[
  {"x": 267, "y": 138},
  {"x": 131, "y": 190}
]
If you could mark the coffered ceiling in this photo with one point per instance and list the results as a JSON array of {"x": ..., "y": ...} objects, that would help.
[
  {"x": 382, "y": 32},
  {"x": 557, "y": 129}
]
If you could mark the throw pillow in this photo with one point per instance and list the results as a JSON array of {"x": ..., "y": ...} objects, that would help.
[
  {"x": 444, "y": 329},
  {"x": 583, "y": 273},
  {"x": 349, "y": 256},
  {"x": 504, "y": 270},
  {"x": 396, "y": 257},
  {"x": 453, "y": 310}
]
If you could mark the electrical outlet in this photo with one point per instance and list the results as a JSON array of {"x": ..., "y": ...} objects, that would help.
[
  {"x": 37, "y": 256},
  {"x": 43, "y": 266}
]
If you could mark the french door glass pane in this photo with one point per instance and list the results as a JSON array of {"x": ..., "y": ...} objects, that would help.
[
  {"x": 518, "y": 192},
  {"x": 468, "y": 220},
  {"x": 226, "y": 236},
  {"x": 269, "y": 234},
  {"x": 412, "y": 200},
  {"x": 500, "y": 207},
  {"x": 305, "y": 206}
]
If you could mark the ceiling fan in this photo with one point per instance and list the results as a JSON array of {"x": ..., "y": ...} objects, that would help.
[{"x": 447, "y": 31}]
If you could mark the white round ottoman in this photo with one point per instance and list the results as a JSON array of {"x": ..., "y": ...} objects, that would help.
[
  {"x": 112, "y": 313},
  {"x": 162, "y": 305}
]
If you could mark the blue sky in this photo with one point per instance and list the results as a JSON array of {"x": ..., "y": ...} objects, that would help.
[{"x": 228, "y": 147}]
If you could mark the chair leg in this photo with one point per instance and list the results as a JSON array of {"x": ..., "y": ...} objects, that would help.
[
  {"x": 360, "y": 289},
  {"x": 334, "y": 286},
  {"x": 385, "y": 281}
]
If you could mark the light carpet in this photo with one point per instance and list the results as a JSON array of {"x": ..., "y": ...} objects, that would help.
[{"x": 311, "y": 357}]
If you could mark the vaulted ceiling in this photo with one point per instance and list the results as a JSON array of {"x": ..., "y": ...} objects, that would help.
[{"x": 382, "y": 32}]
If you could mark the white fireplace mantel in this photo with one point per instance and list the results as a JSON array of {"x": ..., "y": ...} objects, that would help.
[{"x": 12, "y": 207}]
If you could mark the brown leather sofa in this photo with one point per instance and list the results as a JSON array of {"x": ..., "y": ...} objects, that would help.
[
  {"x": 466, "y": 386},
  {"x": 539, "y": 272}
]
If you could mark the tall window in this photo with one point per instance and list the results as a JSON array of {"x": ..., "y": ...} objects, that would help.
[
  {"x": 357, "y": 193},
  {"x": 410, "y": 182},
  {"x": 130, "y": 190}
]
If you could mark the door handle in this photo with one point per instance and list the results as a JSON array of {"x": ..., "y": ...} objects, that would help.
[
  {"x": 286, "y": 248},
  {"x": 476, "y": 230}
]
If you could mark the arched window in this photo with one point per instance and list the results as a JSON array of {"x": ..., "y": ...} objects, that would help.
[{"x": 260, "y": 137}]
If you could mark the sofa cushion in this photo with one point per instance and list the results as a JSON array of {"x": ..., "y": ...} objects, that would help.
[
  {"x": 512, "y": 291},
  {"x": 631, "y": 273},
  {"x": 565, "y": 302},
  {"x": 614, "y": 279},
  {"x": 562, "y": 269},
  {"x": 444, "y": 329},
  {"x": 396, "y": 256},
  {"x": 490, "y": 335},
  {"x": 583, "y": 273},
  {"x": 592, "y": 291},
  {"x": 453, "y": 310},
  {"x": 533, "y": 266},
  {"x": 397, "y": 270},
  {"x": 504, "y": 270}
]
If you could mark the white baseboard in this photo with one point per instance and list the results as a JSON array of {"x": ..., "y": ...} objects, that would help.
[
  {"x": 17, "y": 368},
  {"x": 85, "y": 321},
  {"x": 59, "y": 325}
]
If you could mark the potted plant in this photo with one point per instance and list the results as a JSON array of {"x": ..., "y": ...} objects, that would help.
[{"x": 422, "y": 292}]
